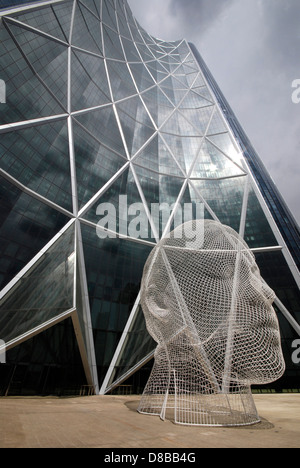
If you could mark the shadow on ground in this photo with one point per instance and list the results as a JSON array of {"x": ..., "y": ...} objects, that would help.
[{"x": 263, "y": 425}]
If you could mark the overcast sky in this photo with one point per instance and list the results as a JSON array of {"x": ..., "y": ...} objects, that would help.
[{"x": 252, "y": 47}]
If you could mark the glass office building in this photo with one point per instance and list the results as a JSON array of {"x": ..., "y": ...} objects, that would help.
[{"x": 109, "y": 136}]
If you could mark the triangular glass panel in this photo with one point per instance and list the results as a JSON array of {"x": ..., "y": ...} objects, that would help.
[
  {"x": 121, "y": 211},
  {"x": 180, "y": 122},
  {"x": 203, "y": 92},
  {"x": 141, "y": 76},
  {"x": 136, "y": 124},
  {"x": 217, "y": 124},
  {"x": 198, "y": 119},
  {"x": 170, "y": 94},
  {"x": 138, "y": 345},
  {"x": 111, "y": 3},
  {"x": 95, "y": 164},
  {"x": 130, "y": 51},
  {"x": 111, "y": 44},
  {"x": 167, "y": 83},
  {"x": 158, "y": 105},
  {"x": 26, "y": 97},
  {"x": 123, "y": 25},
  {"x": 102, "y": 124},
  {"x": 193, "y": 80},
  {"x": 82, "y": 305},
  {"x": 43, "y": 293},
  {"x": 181, "y": 82},
  {"x": 194, "y": 101},
  {"x": 142, "y": 34},
  {"x": 26, "y": 226},
  {"x": 175, "y": 59},
  {"x": 224, "y": 142},
  {"x": 92, "y": 5},
  {"x": 157, "y": 71},
  {"x": 258, "y": 232},
  {"x": 172, "y": 126},
  {"x": 157, "y": 157},
  {"x": 190, "y": 207},
  {"x": 189, "y": 59},
  {"x": 173, "y": 95},
  {"x": 160, "y": 192},
  {"x": 212, "y": 163},
  {"x": 120, "y": 79},
  {"x": 63, "y": 12},
  {"x": 225, "y": 198},
  {"x": 89, "y": 81},
  {"x": 113, "y": 280},
  {"x": 108, "y": 16},
  {"x": 55, "y": 366},
  {"x": 136, "y": 34},
  {"x": 180, "y": 95},
  {"x": 48, "y": 58},
  {"x": 165, "y": 65},
  {"x": 196, "y": 80},
  {"x": 200, "y": 209},
  {"x": 189, "y": 67},
  {"x": 80, "y": 300},
  {"x": 46, "y": 172},
  {"x": 161, "y": 75},
  {"x": 180, "y": 73},
  {"x": 145, "y": 52},
  {"x": 86, "y": 30},
  {"x": 157, "y": 51},
  {"x": 184, "y": 149},
  {"x": 44, "y": 19},
  {"x": 148, "y": 157}
]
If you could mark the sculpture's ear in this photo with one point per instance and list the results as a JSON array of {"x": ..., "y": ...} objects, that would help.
[
  {"x": 163, "y": 315},
  {"x": 152, "y": 305}
]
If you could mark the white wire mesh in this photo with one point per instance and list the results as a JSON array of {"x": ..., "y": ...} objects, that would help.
[{"x": 210, "y": 312}]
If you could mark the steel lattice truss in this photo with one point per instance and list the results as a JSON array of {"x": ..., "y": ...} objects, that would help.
[
  {"x": 211, "y": 314},
  {"x": 97, "y": 108}
]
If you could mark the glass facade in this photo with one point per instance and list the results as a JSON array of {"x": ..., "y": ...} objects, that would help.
[{"x": 108, "y": 139}]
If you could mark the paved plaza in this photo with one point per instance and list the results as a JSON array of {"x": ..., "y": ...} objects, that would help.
[{"x": 113, "y": 422}]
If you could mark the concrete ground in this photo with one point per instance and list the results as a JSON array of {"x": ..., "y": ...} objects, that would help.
[{"x": 112, "y": 422}]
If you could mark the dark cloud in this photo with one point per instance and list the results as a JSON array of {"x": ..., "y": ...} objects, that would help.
[
  {"x": 281, "y": 33},
  {"x": 199, "y": 14}
]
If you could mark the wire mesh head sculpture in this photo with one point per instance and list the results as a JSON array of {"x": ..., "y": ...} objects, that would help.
[{"x": 210, "y": 312}]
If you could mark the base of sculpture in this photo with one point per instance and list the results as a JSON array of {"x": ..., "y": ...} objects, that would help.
[{"x": 231, "y": 409}]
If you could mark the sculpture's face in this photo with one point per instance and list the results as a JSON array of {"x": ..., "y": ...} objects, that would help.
[{"x": 216, "y": 293}]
